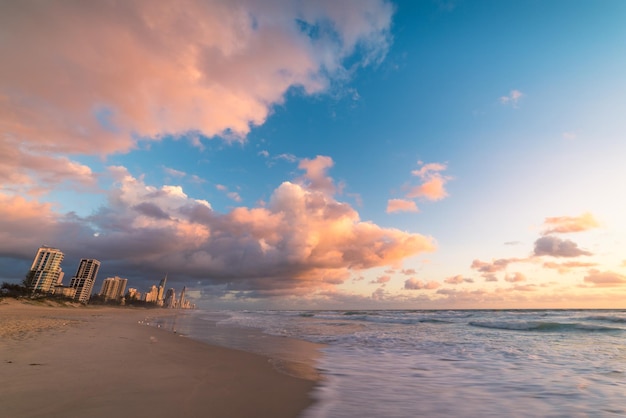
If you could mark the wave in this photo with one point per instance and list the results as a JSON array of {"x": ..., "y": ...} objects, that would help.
[
  {"x": 608, "y": 318},
  {"x": 541, "y": 326}
]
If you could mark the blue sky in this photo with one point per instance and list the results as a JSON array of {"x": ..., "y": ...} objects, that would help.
[{"x": 430, "y": 154}]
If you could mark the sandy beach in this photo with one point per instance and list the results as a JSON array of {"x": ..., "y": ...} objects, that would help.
[{"x": 103, "y": 362}]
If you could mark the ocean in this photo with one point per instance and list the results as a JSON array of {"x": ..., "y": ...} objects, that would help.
[{"x": 465, "y": 363}]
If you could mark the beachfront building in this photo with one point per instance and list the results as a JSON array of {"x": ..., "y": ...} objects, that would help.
[
  {"x": 161, "y": 291},
  {"x": 182, "y": 300},
  {"x": 45, "y": 272},
  {"x": 84, "y": 279},
  {"x": 170, "y": 298},
  {"x": 133, "y": 294},
  {"x": 152, "y": 294},
  {"x": 113, "y": 288},
  {"x": 66, "y": 291}
]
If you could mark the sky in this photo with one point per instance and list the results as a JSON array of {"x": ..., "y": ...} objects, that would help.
[{"x": 432, "y": 154}]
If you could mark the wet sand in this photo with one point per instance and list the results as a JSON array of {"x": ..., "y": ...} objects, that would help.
[{"x": 103, "y": 362}]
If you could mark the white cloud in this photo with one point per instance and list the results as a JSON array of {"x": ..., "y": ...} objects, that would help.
[{"x": 512, "y": 98}]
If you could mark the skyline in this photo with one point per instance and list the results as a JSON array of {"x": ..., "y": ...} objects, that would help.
[{"x": 432, "y": 154}]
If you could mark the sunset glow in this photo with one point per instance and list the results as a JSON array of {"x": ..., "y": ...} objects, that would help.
[{"x": 372, "y": 154}]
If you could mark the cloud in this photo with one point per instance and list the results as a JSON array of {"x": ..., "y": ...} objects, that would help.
[
  {"x": 556, "y": 247},
  {"x": 401, "y": 205},
  {"x": 408, "y": 272},
  {"x": 433, "y": 186},
  {"x": 605, "y": 278},
  {"x": 231, "y": 195},
  {"x": 568, "y": 224},
  {"x": 174, "y": 173},
  {"x": 96, "y": 78},
  {"x": 30, "y": 171},
  {"x": 381, "y": 279},
  {"x": 458, "y": 279},
  {"x": 316, "y": 177},
  {"x": 490, "y": 277},
  {"x": 515, "y": 278},
  {"x": 303, "y": 240},
  {"x": 512, "y": 98},
  {"x": 563, "y": 268},
  {"x": 494, "y": 266},
  {"x": 415, "y": 284}
]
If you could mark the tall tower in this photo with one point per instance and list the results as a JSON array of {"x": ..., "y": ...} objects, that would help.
[
  {"x": 46, "y": 270},
  {"x": 170, "y": 298},
  {"x": 161, "y": 291},
  {"x": 85, "y": 278},
  {"x": 181, "y": 301},
  {"x": 113, "y": 288}
]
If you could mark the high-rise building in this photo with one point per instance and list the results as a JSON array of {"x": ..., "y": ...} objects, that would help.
[
  {"x": 161, "y": 291},
  {"x": 182, "y": 300},
  {"x": 85, "y": 278},
  {"x": 152, "y": 294},
  {"x": 170, "y": 299},
  {"x": 46, "y": 270},
  {"x": 113, "y": 288}
]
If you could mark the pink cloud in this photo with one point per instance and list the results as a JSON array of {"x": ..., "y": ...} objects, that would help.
[
  {"x": 515, "y": 278},
  {"x": 315, "y": 175},
  {"x": 416, "y": 284},
  {"x": 495, "y": 266},
  {"x": 302, "y": 239},
  {"x": 382, "y": 279},
  {"x": 401, "y": 205},
  {"x": 512, "y": 98},
  {"x": 458, "y": 279},
  {"x": 92, "y": 78},
  {"x": 556, "y": 247},
  {"x": 567, "y": 267},
  {"x": 568, "y": 224},
  {"x": 433, "y": 185},
  {"x": 605, "y": 278}
]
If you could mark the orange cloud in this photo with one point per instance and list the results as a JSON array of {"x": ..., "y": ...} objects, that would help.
[
  {"x": 433, "y": 186},
  {"x": 515, "y": 278},
  {"x": 568, "y": 224},
  {"x": 563, "y": 268},
  {"x": 381, "y": 279},
  {"x": 315, "y": 175},
  {"x": 605, "y": 278},
  {"x": 401, "y": 205}
]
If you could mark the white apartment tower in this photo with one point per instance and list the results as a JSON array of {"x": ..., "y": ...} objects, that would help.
[
  {"x": 113, "y": 288},
  {"x": 85, "y": 278},
  {"x": 46, "y": 270}
]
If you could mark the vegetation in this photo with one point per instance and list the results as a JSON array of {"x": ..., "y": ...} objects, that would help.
[
  {"x": 14, "y": 290},
  {"x": 21, "y": 291}
]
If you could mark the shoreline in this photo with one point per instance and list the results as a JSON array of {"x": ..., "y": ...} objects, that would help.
[{"x": 101, "y": 361}]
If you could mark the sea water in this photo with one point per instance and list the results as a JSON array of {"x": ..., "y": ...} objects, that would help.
[{"x": 535, "y": 363}]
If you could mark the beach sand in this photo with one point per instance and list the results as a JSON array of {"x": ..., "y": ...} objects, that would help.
[{"x": 104, "y": 362}]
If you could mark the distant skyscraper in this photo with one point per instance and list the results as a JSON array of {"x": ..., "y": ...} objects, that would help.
[
  {"x": 152, "y": 294},
  {"x": 170, "y": 299},
  {"x": 113, "y": 288},
  {"x": 161, "y": 291},
  {"x": 181, "y": 301},
  {"x": 85, "y": 278},
  {"x": 46, "y": 270}
]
